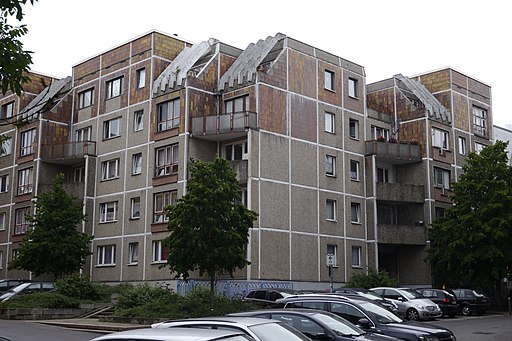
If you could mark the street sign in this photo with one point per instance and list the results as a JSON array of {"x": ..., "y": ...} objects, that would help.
[{"x": 330, "y": 259}]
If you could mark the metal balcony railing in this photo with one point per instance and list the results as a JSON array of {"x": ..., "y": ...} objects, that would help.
[
  {"x": 224, "y": 123},
  {"x": 68, "y": 150}
]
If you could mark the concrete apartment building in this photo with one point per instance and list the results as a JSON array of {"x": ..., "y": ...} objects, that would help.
[{"x": 330, "y": 164}]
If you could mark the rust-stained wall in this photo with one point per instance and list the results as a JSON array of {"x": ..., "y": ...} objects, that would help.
[
  {"x": 299, "y": 66},
  {"x": 272, "y": 114}
]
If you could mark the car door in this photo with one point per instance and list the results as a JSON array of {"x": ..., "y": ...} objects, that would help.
[
  {"x": 305, "y": 325},
  {"x": 348, "y": 312},
  {"x": 395, "y": 296}
]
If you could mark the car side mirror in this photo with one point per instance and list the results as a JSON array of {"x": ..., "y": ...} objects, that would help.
[
  {"x": 400, "y": 298},
  {"x": 364, "y": 323}
]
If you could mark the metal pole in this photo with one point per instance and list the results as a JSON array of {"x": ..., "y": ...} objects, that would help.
[
  {"x": 330, "y": 276},
  {"x": 509, "y": 307}
]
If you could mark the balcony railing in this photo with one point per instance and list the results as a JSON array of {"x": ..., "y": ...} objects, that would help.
[
  {"x": 68, "y": 150},
  {"x": 402, "y": 152},
  {"x": 387, "y": 191},
  {"x": 224, "y": 123},
  {"x": 402, "y": 234}
]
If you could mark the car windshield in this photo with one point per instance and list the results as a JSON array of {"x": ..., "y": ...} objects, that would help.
[
  {"x": 278, "y": 331},
  {"x": 411, "y": 294},
  {"x": 339, "y": 325},
  {"x": 382, "y": 315},
  {"x": 370, "y": 295}
]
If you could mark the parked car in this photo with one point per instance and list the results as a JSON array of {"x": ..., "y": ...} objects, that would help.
[
  {"x": 27, "y": 288},
  {"x": 257, "y": 328},
  {"x": 6, "y": 284},
  {"x": 472, "y": 301},
  {"x": 411, "y": 303},
  {"x": 370, "y": 295},
  {"x": 446, "y": 300},
  {"x": 318, "y": 325},
  {"x": 369, "y": 316},
  {"x": 267, "y": 297},
  {"x": 175, "y": 334}
]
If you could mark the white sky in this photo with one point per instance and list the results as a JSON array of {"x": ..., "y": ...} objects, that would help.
[{"x": 385, "y": 36}]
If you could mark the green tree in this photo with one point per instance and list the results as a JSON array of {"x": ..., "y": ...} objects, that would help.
[
  {"x": 471, "y": 243},
  {"x": 209, "y": 226},
  {"x": 53, "y": 245},
  {"x": 14, "y": 60}
]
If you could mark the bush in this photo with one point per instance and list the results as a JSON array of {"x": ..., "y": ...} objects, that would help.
[
  {"x": 77, "y": 286},
  {"x": 142, "y": 294},
  {"x": 371, "y": 280},
  {"x": 52, "y": 300}
]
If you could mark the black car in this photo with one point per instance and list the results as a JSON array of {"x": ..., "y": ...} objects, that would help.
[
  {"x": 370, "y": 317},
  {"x": 368, "y": 294},
  {"x": 267, "y": 297},
  {"x": 6, "y": 284},
  {"x": 472, "y": 301},
  {"x": 446, "y": 300},
  {"x": 317, "y": 325}
]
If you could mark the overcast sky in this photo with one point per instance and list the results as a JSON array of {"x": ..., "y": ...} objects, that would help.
[{"x": 387, "y": 37}]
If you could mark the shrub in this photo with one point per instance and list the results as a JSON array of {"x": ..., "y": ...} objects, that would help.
[
  {"x": 372, "y": 279},
  {"x": 52, "y": 300},
  {"x": 142, "y": 294},
  {"x": 78, "y": 287}
]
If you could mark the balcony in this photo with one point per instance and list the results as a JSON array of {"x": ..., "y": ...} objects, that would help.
[
  {"x": 394, "y": 152},
  {"x": 224, "y": 126},
  {"x": 402, "y": 234},
  {"x": 68, "y": 152},
  {"x": 398, "y": 192}
]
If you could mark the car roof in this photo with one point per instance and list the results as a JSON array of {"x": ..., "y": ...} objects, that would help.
[
  {"x": 333, "y": 296},
  {"x": 172, "y": 334},
  {"x": 242, "y": 320},
  {"x": 299, "y": 311}
]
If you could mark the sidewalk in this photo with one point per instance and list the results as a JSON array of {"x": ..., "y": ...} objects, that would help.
[{"x": 91, "y": 324}]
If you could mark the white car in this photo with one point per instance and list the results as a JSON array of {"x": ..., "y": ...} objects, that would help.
[{"x": 175, "y": 334}]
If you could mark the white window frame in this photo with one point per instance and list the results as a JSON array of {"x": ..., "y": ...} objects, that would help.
[
  {"x": 114, "y": 87},
  {"x": 235, "y": 151},
  {"x": 8, "y": 110},
  {"x": 160, "y": 202},
  {"x": 112, "y": 128},
  {"x": 83, "y": 134},
  {"x": 158, "y": 252},
  {"x": 330, "y": 122},
  {"x": 27, "y": 142},
  {"x": 462, "y": 145},
  {"x": 166, "y": 159},
  {"x": 79, "y": 174},
  {"x": 21, "y": 224},
  {"x": 329, "y": 80},
  {"x": 141, "y": 78},
  {"x": 168, "y": 115},
  {"x": 478, "y": 147},
  {"x": 330, "y": 165},
  {"x": 379, "y": 132},
  {"x": 3, "y": 220},
  {"x": 108, "y": 212},
  {"x": 352, "y": 87},
  {"x": 385, "y": 174},
  {"x": 354, "y": 173},
  {"x": 137, "y": 164},
  {"x": 442, "y": 178},
  {"x": 355, "y": 213},
  {"x": 4, "y": 183},
  {"x": 135, "y": 208},
  {"x": 6, "y": 147},
  {"x": 110, "y": 170},
  {"x": 333, "y": 250},
  {"x": 330, "y": 209},
  {"x": 1, "y": 259},
  {"x": 85, "y": 98},
  {"x": 353, "y": 128},
  {"x": 25, "y": 180},
  {"x": 479, "y": 121},
  {"x": 440, "y": 138},
  {"x": 356, "y": 256},
  {"x": 138, "y": 120},
  {"x": 133, "y": 253},
  {"x": 103, "y": 258}
]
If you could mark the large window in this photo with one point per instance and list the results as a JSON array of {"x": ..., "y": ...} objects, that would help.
[
  {"x": 237, "y": 105},
  {"x": 108, "y": 212},
  {"x": 162, "y": 200},
  {"x": 141, "y": 78},
  {"x": 330, "y": 165},
  {"x": 329, "y": 80},
  {"x": 114, "y": 87},
  {"x": 354, "y": 170},
  {"x": 330, "y": 209},
  {"x": 167, "y": 160},
  {"x": 330, "y": 122},
  {"x": 133, "y": 253},
  {"x": 83, "y": 134},
  {"x": 106, "y": 255},
  {"x": 479, "y": 121},
  {"x": 135, "y": 208},
  {"x": 168, "y": 115},
  {"x": 356, "y": 256},
  {"x": 6, "y": 147},
  {"x": 4, "y": 183},
  {"x": 353, "y": 129},
  {"x": 235, "y": 151},
  {"x": 7, "y": 110},
  {"x": 441, "y": 178},
  {"x": 378, "y": 132},
  {"x": 110, "y": 169},
  {"x": 21, "y": 223},
  {"x": 439, "y": 138},
  {"x": 85, "y": 98},
  {"x": 25, "y": 179},
  {"x": 160, "y": 253},
  {"x": 112, "y": 128},
  {"x": 355, "y": 212},
  {"x": 137, "y": 163},
  {"x": 352, "y": 87},
  {"x": 27, "y": 142}
]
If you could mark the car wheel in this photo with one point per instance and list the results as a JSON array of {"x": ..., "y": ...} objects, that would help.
[
  {"x": 412, "y": 314},
  {"x": 466, "y": 310}
]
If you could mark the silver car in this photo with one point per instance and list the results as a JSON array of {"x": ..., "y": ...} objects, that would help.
[
  {"x": 175, "y": 334},
  {"x": 411, "y": 303}
]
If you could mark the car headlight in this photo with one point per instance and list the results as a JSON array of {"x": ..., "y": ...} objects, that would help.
[
  {"x": 428, "y": 338},
  {"x": 419, "y": 306}
]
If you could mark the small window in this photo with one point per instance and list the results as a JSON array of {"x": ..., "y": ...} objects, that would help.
[
  {"x": 480, "y": 121},
  {"x": 161, "y": 201},
  {"x": 106, "y": 255},
  {"x": 108, "y": 212},
  {"x": 352, "y": 87},
  {"x": 380, "y": 133},
  {"x": 137, "y": 164},
  {"x": 7, "y": 110},
  {"x": 112, "y": 128},
  {"x": 382, "y": 174},
  {"x": 330, "y": 165},
  {"x": 160, "y": 253},
  {"x": 355, "y": 212},
  {"x": 353, "y": 128},
  {"x": 25, "y": 179},
  {"x": 479, "y": 147},
  {"x": 21, "y": 224},
  {"x": 85, "y": 98},
  {"x": 439, "y": 138},
  {"x": 4, "y": 183},
  {"x": 110, "y": 170},
  {"x": 83, "y": 134},
  {"x": 441, "y": 178},
  {"x": 329, "y": 122},
  {"x": 1, "y": 260},
  {"x": 135, "y": 208},
  {"x": 329, "y": 80},
  {"x": 133, "y": 253},
  {"x": 114, "y": 87},
  {"x": 6, "y": 147},
  {"x": 354, "y": 170},
  {"x": 27, "y": 142},
  {"x": 168, "y": 115},
  {"x": 330, "y": 209},
  {"x": 3, "y": 217},
  {"x": 462, "y": 145},
  {"x": 79, "y": 174},
  {"x": 166, "y": 160},
  {"x": 235, "y": 151},
  {"x": 141, "y": 78},
  {"x": 138, "y": 120},
  {"x": 356, "y": 256},
  {"x": 333, "y": 250}
]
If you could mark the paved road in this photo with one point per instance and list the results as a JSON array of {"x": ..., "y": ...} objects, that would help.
[
  {"x": 26, "y": 331},
  {"x": 479, "y": 328}
]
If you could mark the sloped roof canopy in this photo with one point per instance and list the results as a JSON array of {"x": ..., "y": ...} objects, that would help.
[{"x": 48, "y": 98}]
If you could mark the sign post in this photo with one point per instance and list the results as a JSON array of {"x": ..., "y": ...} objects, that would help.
[{"x": 330, "y": 264}]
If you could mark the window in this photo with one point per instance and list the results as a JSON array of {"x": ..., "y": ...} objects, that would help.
[
  {"x": 106, "y": 255},
  {"x": 462, "y": 145},
  {"x": 1, "y": 259},
  {"x": 479, "y": 121},
  {"x": 133, "y": 253},
  {"x": 160, "y": 253},
  {"x": 330, "y": 209},
  {"x": 141, "y": 78},
  {"x": 27, "y": 142},
  {"x": 114, "y": 87},
  {"x": 330, "y": 165},
  {"x": 235, "y": 151},
  {"x": 111, "y": 128},
  {"x": 329, "y": 80},
  {"x": 83, "y": 134},
  {"x": 108, "y": 212},
  {"x": 352, "y": 87},
  {"x": 138, "y": 122},
  {"x": 162, "y": 200},
  {"x": 354, "y": 170},
  {"x": 356, "y": 256},
  {"x": 479, "y": 147},
  {"x": 135, "y": 208},
  {"x": 85, "y": 98},
  {"x": 110, "y": 169},
  {"x": 79, "y": 174},
  {"x": 3, "y": 217},
  {"x": 353, "y": 126},
  {"x": 4, "y": 183},
  {"x": 167, "y": 160},
  {"x": 355, "y": 212},
  {"x": 6, "y": 147},
  {"x": 439, "y": 138},
  {"x": 237, "y": 105},
  {"x": 15, "y": 253},
  {"x": 333, "y": 250},
  {"x": 441, "y": 178},
  {"x": 382, "y": 174},
  {"x": 168, "y": 115},
  {"x": 25, "y": 179},
  {"x": 329, "y": 122},
  {"x": 21, "y": 223},
  {"x": 137, "y": 163},
  {"x": 379, "y": 132},
  {"x": 7, "y": 110}
]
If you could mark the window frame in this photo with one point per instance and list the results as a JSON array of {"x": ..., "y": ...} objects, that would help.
[
  {"x": 138, "y": 120},
  {"x": 27, "y": 140},
  {"x": 81, "y": 134},
  {"x": 140, "y": 78},
  {"x": 235, "y": 151},
  {"x": 85, "y": 98},
  {"x": 6, "y": 148},
  {"x": 79, "y": 174},
  {"x": 379, "y": 132},
  {"x": 330, "y": 209},
  {"x": 480, "y": 117},
  {"x": 329, "y": 80},
  {"x": 3, "y": 220},
  {"x": 334, "y": 251},
  {"x": 330, "y": 122},
  {"x": 167, "y": 160},
  {"x": 354, "y": 175},
  {"x": 135, "y": 208},
  {"x": 479, "y": 146},
  {"x": 159, "y": 252},
  {"x": 101, "y": 255},
  {"x": 8, "y": 110},
  {"x": 330, "y": 165},
  {"x": 114, "y": 87},
  {"x": 355, "y": 209},
  {"x": 358, "y": 252},
  {"x": 166, "y": 119},
  {"x": 462, "y": 145},
  {"x": 236, "y": 105},
  {"x": 106, "y": 170},
  {"x": 352, "y": 85},
  {"x": 106, "y": 208},
  {"x": 21, "y": 224},
  {"x": 353, "y": 129},
  {"x": 137, "y": 164},
  {"x": 443, "y": 175},
  {"x": 111, "y": 130},
  {"x": 25, "y": 181},
  {"x": 133, "y": 253},
  {"x": 160, "y": 201},
  {"x": 4, "y": 183},
  {"x": 440, "y": 138}
]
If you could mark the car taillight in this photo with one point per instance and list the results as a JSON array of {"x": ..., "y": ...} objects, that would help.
[{"x": 445, "y": 300}]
